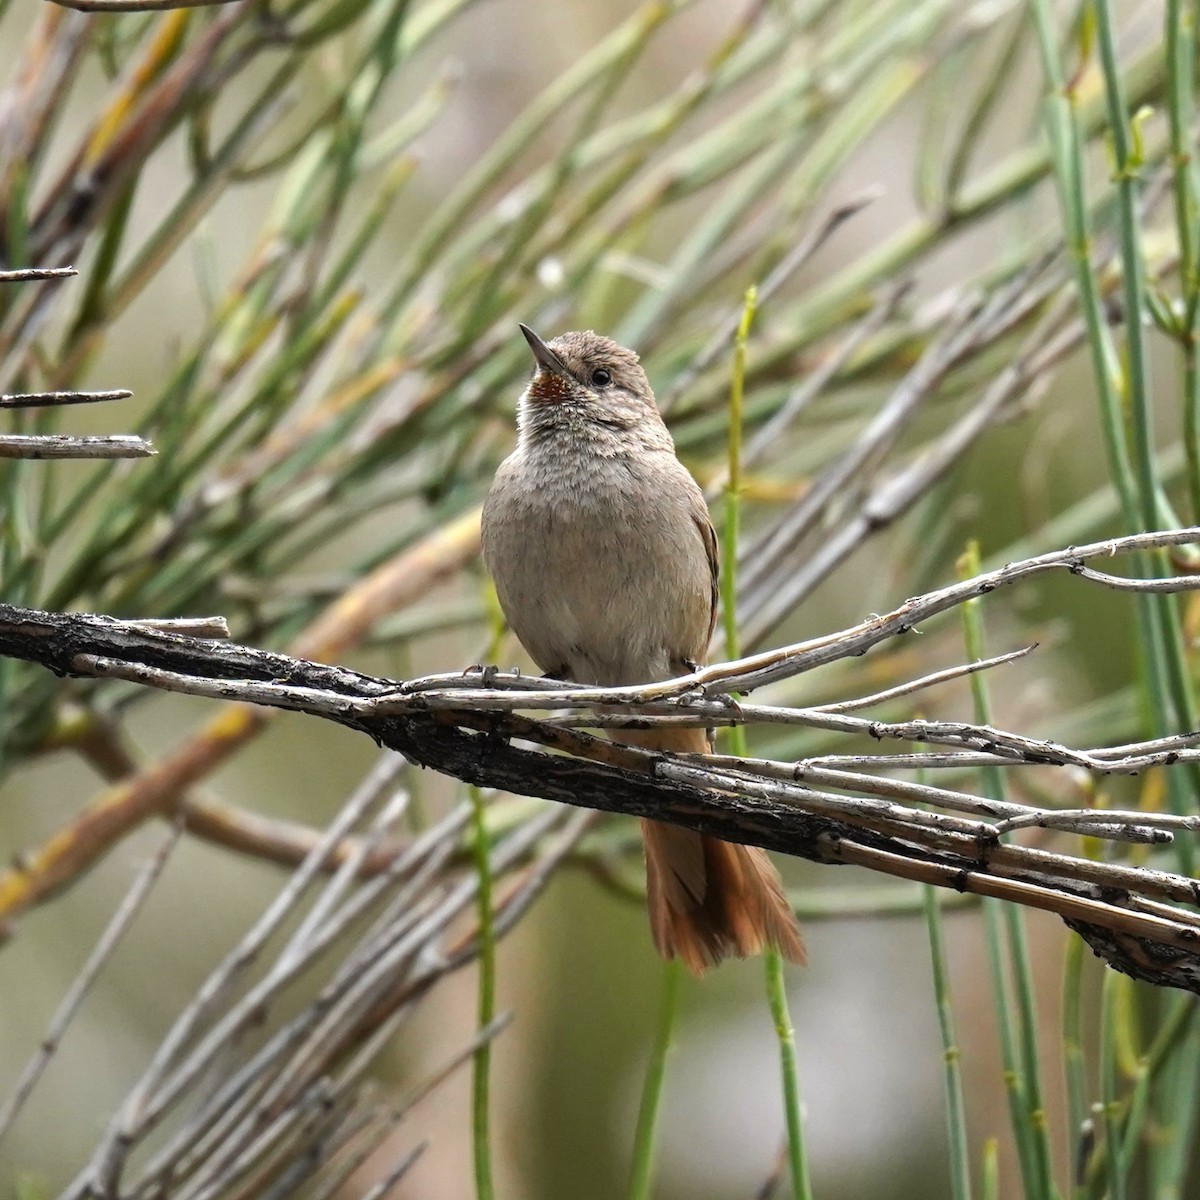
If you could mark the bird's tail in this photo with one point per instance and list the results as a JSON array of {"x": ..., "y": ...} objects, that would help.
[{"x": 710, "y": 899}]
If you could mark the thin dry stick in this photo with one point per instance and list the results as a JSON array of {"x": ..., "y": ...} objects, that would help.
[
  {"x": 339, "y": 706},
  {"x": 26, "y": 274},
  {"x": 65, "y": 445},
  {"x": 136, "y": 5},
  {"x": 128, "y": 909},
  {"x": 241, "y": 1115},
  {"x": 816, "y": 382},
  {"x": 973, "y": 321},
  {"x": 396, "y": 1174},
  {"x": 381, "y": 779},
  {"x": 219, "y": 983},
  {"x": 791, "y": 579},
  {"x": 926, "y": 681},
  {"x": 52, "y": 399},
  {"x": 1078, "y": 908},
  {"x": 410, "y": 908},
  {"x": 384, "y": 1128},
  {"x": 787, "y": 266}
]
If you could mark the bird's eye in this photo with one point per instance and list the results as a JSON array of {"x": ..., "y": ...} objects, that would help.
[{"x": 601, "y": 378}]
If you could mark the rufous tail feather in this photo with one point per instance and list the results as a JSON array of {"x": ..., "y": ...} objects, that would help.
[{"x": 710, "y": 899}]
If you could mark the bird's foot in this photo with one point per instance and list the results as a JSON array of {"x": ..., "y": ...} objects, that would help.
[
  {"x": 702, "y": 695},
  {"x": 489, "y": 673}
]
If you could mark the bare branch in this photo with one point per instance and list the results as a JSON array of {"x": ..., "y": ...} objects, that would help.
[
  {"x": 26, "y": 274},
  {"x": 136, "y": 5},
  {"x": 469, "y": 726},
  {"x": 51, "y": 399},
  {"x": 63, "y": 445}
]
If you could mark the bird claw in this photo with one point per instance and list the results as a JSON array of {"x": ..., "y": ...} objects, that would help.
[{"x": 487, "y": 674}]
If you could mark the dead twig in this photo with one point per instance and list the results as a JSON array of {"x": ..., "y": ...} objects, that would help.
[
  {"x": 54, "y": 399},
  {"x": 136, "y": 5}
]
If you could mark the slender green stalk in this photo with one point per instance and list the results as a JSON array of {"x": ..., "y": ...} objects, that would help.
[
  {"x": 989, "y": 96},
  {"x": 1075, "y": 1067},
  {"x": 480, "y": 1083},
  {"x": 1109, "y": 1091},
  {"x": 1155, "y": 1075},
  {"x": 786, "y": 1035},
  {"x": 956, "y": 1112},
  {"x": 481, "y": 1140},
  {"x": 991, "y": 1170},
  {"x": 1129, "y": 155},
  {"x": 1181, "y": 110},
  {"x": 1165, "y": 681},
  {"x": 1172, "y": 1156},
  {"x": 1012, "y": 979},
  {"x": 1014, "y": 1083},
  {"x": 733, "y": 485},
  {"x": 775, "y": 981},
  {"x": 645, "y": 1141},
  {"x": 1067, "y": 159},
  {"x": 1168, "y": 678},
  {"x": 1128, "y": 169},
  {"x": 643, "y": 1160},
  {"x": 1027, "y": 1008}
]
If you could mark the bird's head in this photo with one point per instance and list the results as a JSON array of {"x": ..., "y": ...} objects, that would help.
[{"x": 585, "y": 381}]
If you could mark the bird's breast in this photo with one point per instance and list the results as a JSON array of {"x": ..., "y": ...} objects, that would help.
[{"x": 599, "y": 566}]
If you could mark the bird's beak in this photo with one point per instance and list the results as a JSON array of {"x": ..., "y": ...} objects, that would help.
[{"x": 545, "y": 356}]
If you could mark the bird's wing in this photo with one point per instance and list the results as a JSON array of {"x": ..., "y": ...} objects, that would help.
[{"x": 708, "y": 535}]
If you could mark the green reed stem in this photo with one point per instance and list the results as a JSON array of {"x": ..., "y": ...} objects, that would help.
[
  {"x": 481, "y": 1139},
  {"x": 645, "y": 1142},
  {"x": 1122, "y": 389},
  {"x": 481, "y": 1143},
  {"x": 1012, "y": 974},
  {"x": 786, "y": 1036},
  {"x": 775, "y": 981},
  {"x": 1117, "y": 1169},
  {"x": 1075, "y": 1068},
  {"x": 991, "y": 1170},
  {"x": 956, "y": 1112},
  {"x": 1181, "y": 111},
  {"x": 1176, "y": 1054},
  {"x": 733, "y": 485}
]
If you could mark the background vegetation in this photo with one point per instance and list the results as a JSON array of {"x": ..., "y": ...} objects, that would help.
[{"x": 305, "y": 232}]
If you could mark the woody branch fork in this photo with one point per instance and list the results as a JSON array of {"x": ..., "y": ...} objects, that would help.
[{"x": 522, "y": 735}]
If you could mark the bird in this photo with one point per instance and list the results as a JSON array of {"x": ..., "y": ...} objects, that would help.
[{"x": 605, "y": 562}]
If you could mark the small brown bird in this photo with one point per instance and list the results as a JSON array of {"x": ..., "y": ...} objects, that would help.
[{"x": 605, "y": 562}]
